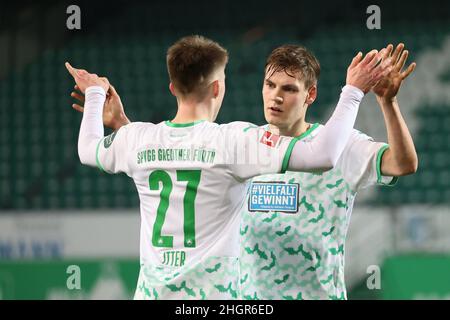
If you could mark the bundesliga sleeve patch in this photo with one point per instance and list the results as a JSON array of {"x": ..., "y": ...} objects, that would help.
[
  {"x": 270, "y": 139},
  {"x": 273, "y": 196},
  {"x": 109, "y": 140}
]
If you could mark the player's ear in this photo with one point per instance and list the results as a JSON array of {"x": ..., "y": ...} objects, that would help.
[
  {"x": 216, "y": 88},
  {"x": 172, "y": 89},
  {"x": 312, "y": 94}
]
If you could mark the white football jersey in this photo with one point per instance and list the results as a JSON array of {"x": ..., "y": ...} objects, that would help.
[
  {"x": 294, "y": 224},
  {"x": 191, "y": 180}
]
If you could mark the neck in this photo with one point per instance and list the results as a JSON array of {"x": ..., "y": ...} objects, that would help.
[
  {"x": 189, "y": 111},
  {"x": 294, "y": 130}
]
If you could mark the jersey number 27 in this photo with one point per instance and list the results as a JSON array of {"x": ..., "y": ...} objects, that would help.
[{"x": 193, "y": 179}]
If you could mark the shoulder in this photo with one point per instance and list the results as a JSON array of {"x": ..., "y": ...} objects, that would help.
[
  {"x": 135, "y": 129},
  {"x": 133, "y": 126},
  {"x": 239, "y": 126},
  {"x": 360, "y": 149},
  {"x": 356, "y": 135},
  {"x": 359, "y": 135}
]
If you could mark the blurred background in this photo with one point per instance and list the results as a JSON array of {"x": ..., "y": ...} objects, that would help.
[{"x": 56, "y": 213}]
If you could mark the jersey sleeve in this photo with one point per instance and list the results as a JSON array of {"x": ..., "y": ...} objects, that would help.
[
  {"x": 113, "y": 150},
  {"x": 255, "y": 151},
  {"x": 361, "y": 162}
]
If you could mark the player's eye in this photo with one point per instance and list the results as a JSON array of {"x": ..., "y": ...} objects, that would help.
[
  {"x": 290, "y": 89},
  {"x": 270, "y": 84}
]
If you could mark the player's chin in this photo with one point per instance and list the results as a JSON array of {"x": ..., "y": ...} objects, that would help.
[{"x": 273, "y": 120}]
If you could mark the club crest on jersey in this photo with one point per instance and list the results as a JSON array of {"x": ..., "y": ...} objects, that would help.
[
  {"x": 270, "y": 139},
  {"x": 273, "y": 196}
]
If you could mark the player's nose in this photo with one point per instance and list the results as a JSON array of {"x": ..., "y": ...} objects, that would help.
[{"x": 278, "y": 99}]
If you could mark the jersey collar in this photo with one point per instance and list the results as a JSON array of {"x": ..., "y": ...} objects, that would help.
[
  {"x": 182, "y": 125},
  {"x": 308, "y": 132}
]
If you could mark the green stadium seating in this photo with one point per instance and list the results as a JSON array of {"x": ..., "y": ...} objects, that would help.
[{"x": 39, "y": 165}]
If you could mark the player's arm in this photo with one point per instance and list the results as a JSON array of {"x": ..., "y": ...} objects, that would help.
[
  {"x": 323, "y": 152},
  {"x": 401, "y": 157},
  {"x": 114, "y": 116},
  {"x": 91, "y": 129}
]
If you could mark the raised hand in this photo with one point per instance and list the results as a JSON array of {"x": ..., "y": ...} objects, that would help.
[
  {"x": 389, "y": 85},
  {"x": 84, "y": 79},
  {"x": 364, "y": 73},
  {"x": 113, "y": 113}
]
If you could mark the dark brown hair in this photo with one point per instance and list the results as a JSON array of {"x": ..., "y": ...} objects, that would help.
[
  {"x": 193, "y": 59},
  {"x": 292, "y": 59}
]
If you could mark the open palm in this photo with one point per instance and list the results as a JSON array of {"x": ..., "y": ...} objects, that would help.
[{"x": 390, "y": 84}]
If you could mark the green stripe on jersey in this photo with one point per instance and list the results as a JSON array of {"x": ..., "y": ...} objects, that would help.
[
  {"x": 288, "y": 153},
  {"x": 182, "y": 125},
  {"x": 99, "y": 165},
  {"x": 379, "y": 177}
]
